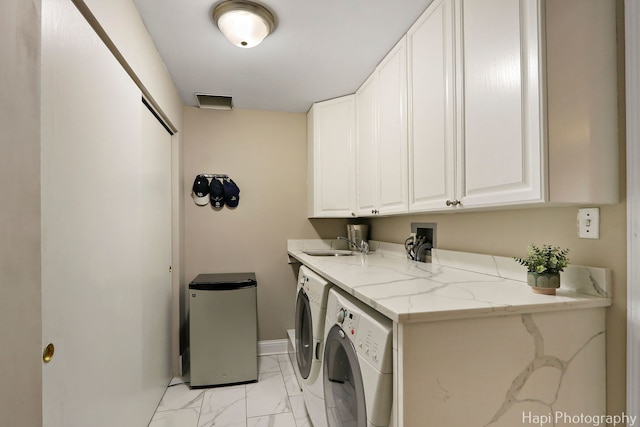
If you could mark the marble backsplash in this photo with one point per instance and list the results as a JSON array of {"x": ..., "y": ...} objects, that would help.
[
  {"x": 580, "y": 279},
  {"x": 584, "y": 280}
]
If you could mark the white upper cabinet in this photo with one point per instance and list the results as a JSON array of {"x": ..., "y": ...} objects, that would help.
[
  {"x": 474, "y": 102},
  {"x": 500, "y": 94},
  {"x": 330, "y": 158},
  {"x": 382, "y": 171},
  {"x": 484, "y": 103},
  {"x": 432, "y": 139},
  {"x": 392, "y": 130},
  {"x": 367, "y": 186},
  {"x": 512, "y": 102}
]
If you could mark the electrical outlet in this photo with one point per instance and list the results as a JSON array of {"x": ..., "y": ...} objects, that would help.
[{"x": 589, "y": 223}]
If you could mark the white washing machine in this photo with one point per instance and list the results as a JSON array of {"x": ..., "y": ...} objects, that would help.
[
  {"x": 358, "y": 364},
  {"x": 311, "y": 304}
]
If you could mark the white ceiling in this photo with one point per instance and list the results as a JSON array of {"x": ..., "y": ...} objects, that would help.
[{"x": 320, "y": 49}]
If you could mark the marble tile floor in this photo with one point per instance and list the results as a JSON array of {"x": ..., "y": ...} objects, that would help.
[{"x": 274, "y": 401}]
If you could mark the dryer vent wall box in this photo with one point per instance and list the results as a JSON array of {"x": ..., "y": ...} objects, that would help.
[{"x": 223, "y": 329}]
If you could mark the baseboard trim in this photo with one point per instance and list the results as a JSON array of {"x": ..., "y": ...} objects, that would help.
[{"x": 272, "y": 347}]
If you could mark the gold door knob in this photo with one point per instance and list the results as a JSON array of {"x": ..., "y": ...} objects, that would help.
[{"x": 47, "y": 354}]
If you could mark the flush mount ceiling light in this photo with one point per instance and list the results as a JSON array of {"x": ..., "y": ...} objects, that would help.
[{"x": 244, "y": 23}]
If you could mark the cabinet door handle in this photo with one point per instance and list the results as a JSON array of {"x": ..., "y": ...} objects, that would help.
[{"x": 453, "y": 202}]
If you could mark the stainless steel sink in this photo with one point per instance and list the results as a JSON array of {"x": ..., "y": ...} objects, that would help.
[{"x": 328, "y": 252}]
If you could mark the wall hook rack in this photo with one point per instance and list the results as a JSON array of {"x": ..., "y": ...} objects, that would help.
[{"x": 215, "y": 175}]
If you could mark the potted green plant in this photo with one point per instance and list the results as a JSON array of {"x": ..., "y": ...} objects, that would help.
[{"x": 543, "y": 267}]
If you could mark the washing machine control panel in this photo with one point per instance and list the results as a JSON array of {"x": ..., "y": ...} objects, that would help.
[
  {"x": 347, "y": 319},
  {"x": 369, "y": 341},
  {"x": 313, "y": 293},
  {"x": 315, "y": 287}
]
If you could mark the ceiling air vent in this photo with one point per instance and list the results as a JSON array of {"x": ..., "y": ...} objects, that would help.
[{"x": 214, "y": 102}]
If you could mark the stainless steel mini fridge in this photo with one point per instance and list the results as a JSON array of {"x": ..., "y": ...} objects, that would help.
[{"x": 223, "y": 333}]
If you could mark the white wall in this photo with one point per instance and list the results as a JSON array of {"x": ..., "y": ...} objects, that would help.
[{"x": 20, "y": 352}]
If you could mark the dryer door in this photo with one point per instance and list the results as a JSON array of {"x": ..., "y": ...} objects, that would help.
[
  {"x": 343, "y": 389},
  {"x": 304, "y": 334}
]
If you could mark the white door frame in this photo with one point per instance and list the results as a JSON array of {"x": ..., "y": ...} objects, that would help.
[{"x": 632, "y": 71}]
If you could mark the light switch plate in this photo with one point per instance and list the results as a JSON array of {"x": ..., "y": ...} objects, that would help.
[{"x": 589, "y": 223}]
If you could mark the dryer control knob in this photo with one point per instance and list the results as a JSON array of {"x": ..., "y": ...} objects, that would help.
[{"x": 340, "y": 316}]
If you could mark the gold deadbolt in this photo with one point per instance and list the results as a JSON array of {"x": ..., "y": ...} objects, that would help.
[{"x": 47, "y": 354}]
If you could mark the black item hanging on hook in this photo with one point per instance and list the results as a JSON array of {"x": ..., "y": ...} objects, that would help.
[
  {"x": 201, "y": 190},
  {"x": 216, "y": 192},
  {"x": 217, "y": 189},
  {"x": 231, "y": 193}
]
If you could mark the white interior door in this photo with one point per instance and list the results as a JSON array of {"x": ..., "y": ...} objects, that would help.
[
  {"x": 101, "y": 209},
  {"x": 155, "y": 258}
]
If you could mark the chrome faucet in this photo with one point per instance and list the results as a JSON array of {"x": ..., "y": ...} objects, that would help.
[{"x": 363, "y": 247}]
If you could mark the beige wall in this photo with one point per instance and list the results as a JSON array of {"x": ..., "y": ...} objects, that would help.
[
  {"x": 509, "y": 232},
  {"x": 265, "y": 154},
  {"x": 20, "y": 328}
]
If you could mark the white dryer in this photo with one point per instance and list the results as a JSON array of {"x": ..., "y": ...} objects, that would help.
[
  {"x": 358, "y": 364},
  {"x": 311, "y": 305}
]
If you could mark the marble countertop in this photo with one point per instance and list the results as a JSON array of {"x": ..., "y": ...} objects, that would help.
[{"x": 456, "y": 285}]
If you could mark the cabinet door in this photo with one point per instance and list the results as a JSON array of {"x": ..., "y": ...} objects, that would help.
[
  {"x": 431, "y": 109},
  {"x": 392, "y": 131},
  {"x": 366, "y": 147},
  {"x": 500, "y": 134},
  {"x": 331, "y": 127}
]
